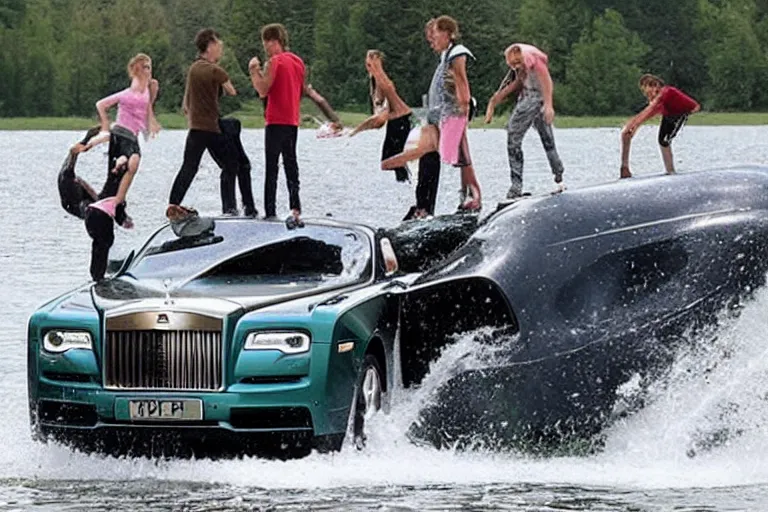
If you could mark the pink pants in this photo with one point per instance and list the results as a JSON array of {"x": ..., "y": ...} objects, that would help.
[{"x": 454, "y": 148}]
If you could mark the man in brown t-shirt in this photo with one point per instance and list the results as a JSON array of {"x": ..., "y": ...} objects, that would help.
[{"x": 205, "y": 80}]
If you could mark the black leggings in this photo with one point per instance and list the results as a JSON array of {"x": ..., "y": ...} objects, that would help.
[
  {"x": 394, "y": 142},
  {"x": 429, "y": 179},
  {"x": 280, "y": 139},
  {"x": 101, "y": 229},
  {"x": 216, "y": 144}
]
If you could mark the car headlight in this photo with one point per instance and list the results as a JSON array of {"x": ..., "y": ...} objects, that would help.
[
  {"x": 285, "y": 342},
  {"x": 61, "y": 341}
]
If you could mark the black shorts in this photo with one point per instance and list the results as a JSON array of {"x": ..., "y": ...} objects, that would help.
[
  {"x": 669, "y": 127},
  {"x": 122, "y": 142}
]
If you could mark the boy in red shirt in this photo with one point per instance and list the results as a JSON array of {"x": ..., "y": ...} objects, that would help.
[
  {"x": 282, "y": 83},
  {"x": 674, "y": 106}
]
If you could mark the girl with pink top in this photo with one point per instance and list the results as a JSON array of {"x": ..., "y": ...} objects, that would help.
[{"x": 134, "y": 114}]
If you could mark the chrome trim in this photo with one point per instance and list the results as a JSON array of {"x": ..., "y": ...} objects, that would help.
[
  {"x": 163, "y": 321},
  {"x": 163, "y": 361},
  {"x": 213, "y": 307}
]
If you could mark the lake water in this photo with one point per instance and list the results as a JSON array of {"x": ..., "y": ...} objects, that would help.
[{"x": 645, "y": 463}]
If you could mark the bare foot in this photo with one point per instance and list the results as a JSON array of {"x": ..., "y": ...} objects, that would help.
[
  {"x": 471, "y": 205},
  {"x": 625, "y": 172}
]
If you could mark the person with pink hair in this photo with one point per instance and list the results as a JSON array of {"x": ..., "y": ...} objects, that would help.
[{"x": 534, "y": 107}]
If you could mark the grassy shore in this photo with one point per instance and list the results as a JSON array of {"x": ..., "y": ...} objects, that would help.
[{"x": 253, "y": 118}]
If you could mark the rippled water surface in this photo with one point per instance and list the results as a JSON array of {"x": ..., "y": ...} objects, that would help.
[{"x": 645, "y": 464}]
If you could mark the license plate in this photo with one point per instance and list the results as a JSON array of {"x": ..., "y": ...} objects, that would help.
[{"x": 185, "y": 410}]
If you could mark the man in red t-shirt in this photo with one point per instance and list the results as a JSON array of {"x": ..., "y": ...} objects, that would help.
[
  {"x": 282, "y": 83},
  {"x": 674, "y": 106}
]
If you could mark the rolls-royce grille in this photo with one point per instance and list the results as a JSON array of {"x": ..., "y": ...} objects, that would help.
[{"x": 173, "y": 360}]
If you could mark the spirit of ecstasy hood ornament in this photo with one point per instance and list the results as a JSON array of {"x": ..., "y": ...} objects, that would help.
[{"x": 167, "y": 284}]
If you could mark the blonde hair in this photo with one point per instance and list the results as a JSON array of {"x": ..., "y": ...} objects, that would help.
[
  {"x": 139, "y": 57},
  {"x": 375, "y": 53},
  {"x": 447, "y": 24}
]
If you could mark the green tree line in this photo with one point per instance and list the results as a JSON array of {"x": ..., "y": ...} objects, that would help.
[{"x": 57, "y": 57}]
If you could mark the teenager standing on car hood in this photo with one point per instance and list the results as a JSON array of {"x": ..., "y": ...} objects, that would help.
[
  {"x": 282, "y": 83},
  {"x": 205, "y": 79}
]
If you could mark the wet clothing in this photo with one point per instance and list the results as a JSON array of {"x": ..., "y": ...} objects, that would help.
[
  {"x": 100, "y": 221},
  {"x": 394, "y": 142},
  {"x": 454, "y": 147},
  {"x": 101, "y": 229},
  {"x": 670, "y": 126},
  {"x": 429, "y": 180},
  {"x": 449, "y": 104},
  {"x": 529, "y": 111},
  {"x": 674, "y": 102},
  {"x": 217, "y": 145},
  {"x": 74, "y": 197},
  {"x": 287, "y": 71},
  {"x": 231, "y": 129},
  {"x": 280, "y": 140},
  {"x": 434, "y": 107},
  {"x": 204, "y": 80},
  {"x": 132, "y": 108}
]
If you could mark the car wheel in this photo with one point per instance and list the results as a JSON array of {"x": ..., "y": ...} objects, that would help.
[{"x": 368, "y": 397}]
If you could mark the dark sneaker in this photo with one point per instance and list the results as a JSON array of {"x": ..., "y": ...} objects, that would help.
[
  {"x": 251, "y": 213},
  {"x": 514, "y": 193}
]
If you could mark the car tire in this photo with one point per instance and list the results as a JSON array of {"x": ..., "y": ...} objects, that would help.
[{"x": 368, "y": 398}]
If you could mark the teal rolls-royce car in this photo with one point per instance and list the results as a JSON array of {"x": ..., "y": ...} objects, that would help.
[{"x": 249, "y": 329}]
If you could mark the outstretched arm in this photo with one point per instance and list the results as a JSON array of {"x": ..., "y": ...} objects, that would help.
[
  {"x": 644, "y": 115},
  {"x": 105, "y": 104},
  {"x": 376, "y": 121},
  {"x": 322, "y": 104},
  {"x": 506, "y": 88}
]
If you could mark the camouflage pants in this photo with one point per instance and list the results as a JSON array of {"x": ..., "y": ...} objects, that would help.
[{"x": 527, "y": 112}]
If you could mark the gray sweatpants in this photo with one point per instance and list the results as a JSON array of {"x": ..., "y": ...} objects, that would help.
[{"x": 527, "y": 112}]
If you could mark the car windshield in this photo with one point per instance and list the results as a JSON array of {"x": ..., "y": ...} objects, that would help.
[{"x": 255, "y": 259}]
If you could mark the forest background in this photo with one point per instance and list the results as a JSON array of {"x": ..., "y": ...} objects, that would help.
[{"x": 58, "y": 57}]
